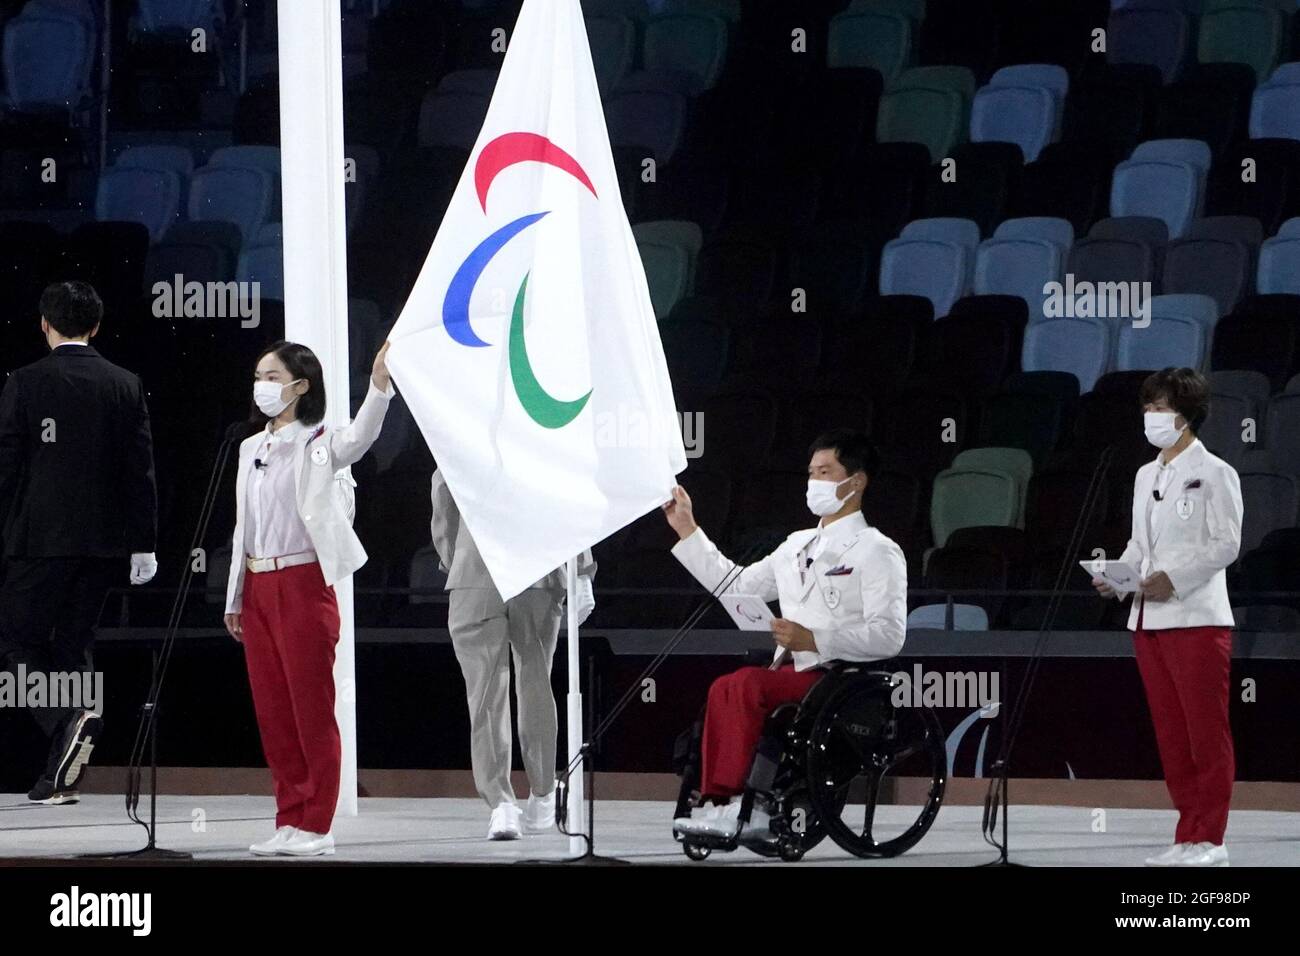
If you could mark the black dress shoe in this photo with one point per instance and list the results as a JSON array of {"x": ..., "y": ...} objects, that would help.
[
  {"x": 45, "y": 792},
  {"x": 75, "y": 748}
]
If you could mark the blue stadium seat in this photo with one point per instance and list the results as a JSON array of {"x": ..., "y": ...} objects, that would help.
[
  {"x": 1025, "y": 116},
  {"x": 1019, "y": 267},
  {"x": 179, "y": 159},
  {"x": 965, "y": 617},
  {"x": 262, "y": 261},
  {"x": 935, "y": 270},
  {"x": 1048, "y": 76},
  {"x": 1275, "y": 107},
  {"x": 1167, "y": 190},
  {"x": 1169, "y": 340},
  {"x": 151, "y": 197},
  {"x": 177, "y": 16},
  {"x": 1057, "y": 231},
  {"x": 962, "y": 232},
  {"x": 47, "y": 62},
  {"x": 236, "y": 194},
  {"x": 1080, "y": 346},
  {"x": 1279, "y": 260}
]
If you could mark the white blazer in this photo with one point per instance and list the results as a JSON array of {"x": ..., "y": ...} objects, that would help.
[
  {"x": 859, "y": 615},
  {"x": 318, "y": 459},
  {"x": 1195, "y": 535}
]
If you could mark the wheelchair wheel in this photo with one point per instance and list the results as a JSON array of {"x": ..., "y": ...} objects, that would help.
[
  {"x": 696, "y": 852},
  {"x": 876, "y": 772}
]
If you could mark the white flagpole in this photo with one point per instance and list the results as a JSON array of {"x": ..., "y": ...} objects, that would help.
[{"x": 577, "y": 808}]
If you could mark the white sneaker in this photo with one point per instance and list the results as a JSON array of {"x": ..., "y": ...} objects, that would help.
[
  {"x": 698, "y": 818},
  {"x": 1205, "y": 854},
  {"x": 539, "y": 814},
  {"x": 272, "y": 846},
  {"x": 759, "y": 826},
  {"x": 724, "y": 823},
  {"x": 504, "y": 824},
  {"x": 1170, "y": 856},
  {"x": 306, "y": 843}
]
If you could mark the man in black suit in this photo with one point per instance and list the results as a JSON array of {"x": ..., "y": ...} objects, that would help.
[{"x": 77, "y": 499}]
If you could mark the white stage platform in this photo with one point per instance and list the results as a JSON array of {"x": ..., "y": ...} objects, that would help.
[{"x": 218, "y": 829}]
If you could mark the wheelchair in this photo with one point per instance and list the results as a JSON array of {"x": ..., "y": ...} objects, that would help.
[{"x": 823, "y": 767}]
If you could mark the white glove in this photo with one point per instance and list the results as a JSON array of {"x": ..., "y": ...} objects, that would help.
[
  {"x": 143, "y": 568},
  {"x": 586, "y": 599}
]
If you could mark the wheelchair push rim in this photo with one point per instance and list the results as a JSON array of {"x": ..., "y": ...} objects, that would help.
[{"x": 860, "y": 748}]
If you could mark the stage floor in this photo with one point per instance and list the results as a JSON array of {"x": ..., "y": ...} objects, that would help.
[{"x": 218, "y": 829}]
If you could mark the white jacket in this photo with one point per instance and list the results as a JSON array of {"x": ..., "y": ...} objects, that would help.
[
  {"x": 320, "y": 505},
  {"x": 868, "y": 621},
  {"x": 1196, "y": 534}
]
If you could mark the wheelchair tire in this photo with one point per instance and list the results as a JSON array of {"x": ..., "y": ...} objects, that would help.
[
  {"x": 696, "y": 852},
  {"x": 859, "y": 734}
]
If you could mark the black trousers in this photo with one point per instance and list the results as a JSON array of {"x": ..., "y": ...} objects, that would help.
[{"x": 48, "y": 611}]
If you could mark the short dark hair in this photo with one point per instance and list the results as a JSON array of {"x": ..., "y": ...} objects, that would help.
[
  {"x": 854, "y": 450},
  {"x": 73, "y": 308},
  {"x": 1185, "y": 390},
  {"x": 301, "y": 363}
]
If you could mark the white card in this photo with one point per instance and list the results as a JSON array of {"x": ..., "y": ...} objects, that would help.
[
  {"x": 1120, "y": 575},
  {"x": 749, "y": 611}
]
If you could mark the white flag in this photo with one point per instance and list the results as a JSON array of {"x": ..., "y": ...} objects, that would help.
[{"x": 528, "y": 351}]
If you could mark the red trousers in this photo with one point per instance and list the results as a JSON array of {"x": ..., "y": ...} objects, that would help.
[
  {"x": 1185, "y": 673},
  {"x": 733, "y": 721},
  {"x": 291, "y": 624}
]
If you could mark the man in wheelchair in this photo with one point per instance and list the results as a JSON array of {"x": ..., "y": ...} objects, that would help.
[{"x": 842, "y": 588}]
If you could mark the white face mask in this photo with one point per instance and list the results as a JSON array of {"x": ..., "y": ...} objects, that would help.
[
  {"x": 823, "y": 499},
  {"x": 1160, "y": 430},
  {"x": 269, "y": 397}
]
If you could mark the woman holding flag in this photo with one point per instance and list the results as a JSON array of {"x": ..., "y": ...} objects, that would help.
[{"x": 293, "y": 540}]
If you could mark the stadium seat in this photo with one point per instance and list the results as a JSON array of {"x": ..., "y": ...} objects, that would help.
[
  {"x": 1242, "y": 33},
  {"x": 937, "y": 270},
  {"x": 1282, "y": 432},
  {"x": 1025, "y": 116},
  {"x": 687, "y": 44},
  {"x": 1059, "y": 232},
  {"x": 1217, "y": 259},
  {"x": 965, "y": 617},
  {"x": 1166, "y": 188},
  {"x": 1263, "y": 335},
  {"x": 865, "y": 38},
  {"x": 935, "y": 118},
  {"x": 237, "y": 194},
  {"x": 648, "y": 120},
  {"x": 1167, "y": 341},
  {"x": 1150, "y": 32},
  {"x": 1275, "y": 108},
  {"x": 47, "y": 62},
  {"x": 968, "y": 569},
  {"x": 1279, "y": 261},
  {"x": 1019, "y": 267},
  {"x": 613, "y": 49},
  {"x": 1269, "y": 502},
  {"x": 1080, "y": 346},
  {"x": 964, "y": 497},
  {"x": 151, "y": 197}
]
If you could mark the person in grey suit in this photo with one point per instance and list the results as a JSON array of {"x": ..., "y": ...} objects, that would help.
[{"x": 483, "y": 628}]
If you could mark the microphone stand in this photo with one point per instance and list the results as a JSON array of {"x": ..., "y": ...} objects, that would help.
[
  {"x": 996, "y": 798},
  {"x": 583, "y": 756},
  {"x": 146, "y": 735}
]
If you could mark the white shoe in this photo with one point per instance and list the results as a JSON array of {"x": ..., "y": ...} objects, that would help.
[
  {"x": 504, "y": 824},
  {"x": 306, "y": 843},
  {"x": 539, "y": 814},
  {"x": 1205, "y": 854},
  {"x": 723, "y": 823},
  {"x": 698, "y": 818},
  {"x": 759, "y": 826},
  {"x": 1170, "y": 856},
  {"x": 272, "y": 846}
]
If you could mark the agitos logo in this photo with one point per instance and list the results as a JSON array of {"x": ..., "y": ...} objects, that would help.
[{"x": 497, "y": 156}]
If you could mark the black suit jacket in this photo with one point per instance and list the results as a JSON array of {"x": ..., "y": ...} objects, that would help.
[{"x": 89, "y": 492}]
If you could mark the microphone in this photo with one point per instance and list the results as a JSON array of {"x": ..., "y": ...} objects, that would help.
[
  {"x": 259, "y": 464},
  {"x": 1155, "y": 493}
]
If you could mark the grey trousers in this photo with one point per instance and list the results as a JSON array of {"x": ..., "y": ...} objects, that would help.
[{"x": 486, "y": 634}]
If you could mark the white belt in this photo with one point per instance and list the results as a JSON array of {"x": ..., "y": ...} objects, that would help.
[{"x": 262, "y": 565}]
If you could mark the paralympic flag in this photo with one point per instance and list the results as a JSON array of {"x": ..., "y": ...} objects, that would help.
[{"x": 528, "y": 350}]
